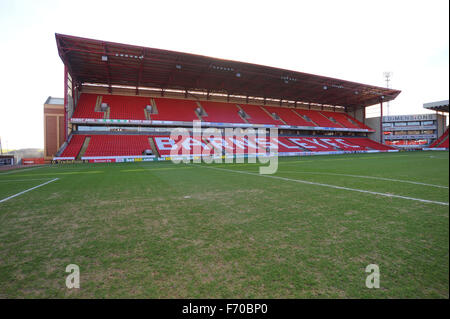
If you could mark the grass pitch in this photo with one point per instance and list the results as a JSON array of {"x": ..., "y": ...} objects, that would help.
[{"x": 160, "y": 230}]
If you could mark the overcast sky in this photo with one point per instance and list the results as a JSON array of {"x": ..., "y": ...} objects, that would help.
[{"x": 351, "y": 40}]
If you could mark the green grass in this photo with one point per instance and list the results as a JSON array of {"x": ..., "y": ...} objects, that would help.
[{"x": 160, "y": 230}]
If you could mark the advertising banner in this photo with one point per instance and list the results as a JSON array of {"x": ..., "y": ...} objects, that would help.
[{"x": 218, "y": 124}]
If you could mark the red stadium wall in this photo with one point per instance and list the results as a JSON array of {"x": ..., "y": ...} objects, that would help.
[{"x": 33, "y": 161}]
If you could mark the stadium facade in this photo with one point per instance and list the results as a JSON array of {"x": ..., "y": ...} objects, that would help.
[
  {"x": 413, "y": 131},
  {"x": 122, "y": 101},
  {"x": 54, "y": 126}
]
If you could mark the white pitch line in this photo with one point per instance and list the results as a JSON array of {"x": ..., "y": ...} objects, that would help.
[
  {"x": 22, "y": 170},
  {"x": 328, "y": 185},
  {"x": 27, "y": 190},
  {"x": 337, "y": 159},
  {"x": 372, "y": 177},
  {"x": 23, "y": 180}
]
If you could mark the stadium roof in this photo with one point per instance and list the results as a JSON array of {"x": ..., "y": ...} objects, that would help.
[
  {"x": 441, "y": 106},
  {"x": 108, "y": 63}
]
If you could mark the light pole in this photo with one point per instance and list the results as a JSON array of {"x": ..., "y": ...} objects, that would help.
[{"x": 387, "y": 78}]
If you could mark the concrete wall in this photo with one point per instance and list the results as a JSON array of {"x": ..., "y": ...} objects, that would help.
[
  {"x": 359, "y": 115},
  {"x": 374, "y": 123},
  {"x": 441, "y": 124}
]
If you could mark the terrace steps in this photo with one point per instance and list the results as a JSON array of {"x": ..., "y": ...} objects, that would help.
[
  {"x": 243, "y": 118},
  {"x": 153, "y": 147},
  {"x": 310, "y": 120},
  {"x": 84, "y": 147},
  {"x": 332, "y": 120},
  {"x": 270, "y": 114}
]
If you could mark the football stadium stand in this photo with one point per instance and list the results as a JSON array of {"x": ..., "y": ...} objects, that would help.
[
  {"x": 340, "y": 118},
  {"x": 372, "y": 144},
  {"x": 175, "y": 110},
  {"x": 86, "y": 107},
  {"x": 132, "y": 108},
  {"x": 221, "y": 112},
  {"x": 289, "y": 116},
  {"x": 318, "y": 118},
  {"x": 117, "y": 145},
  {"x": 134, "y": 145},
  {"x": 126, "y": 107},
  {"x": 444, "y": 143},
  {"x": 74, "y": 146},
  {"x": 122, "y": 102},
  {"x": 114, "y": 144},
  {"x": 441, "y": 142},
  {"x": 257, "y": 115}
]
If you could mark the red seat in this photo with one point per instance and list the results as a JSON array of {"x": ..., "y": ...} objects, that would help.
[
  {"x": 441, "y": 141},
  {"x": 289, "y": 116},
  {"x": 444, "y": 143},
  {"x": 74, "y": 146},
  {"x": 258, "y": 115},
  {"x": 252, "y": 145},
  {"x": 318, "y": 118},
  {"x": 221, "y": 112},
  {"x": 341, "y": 118},
  {"x": 126, "y": 107},
  {"x": 370, "y": 144},
  {"x": 117, "y": 145},
  {"x": 85, "y": 108},
  {"x": 175, "y": 110}
]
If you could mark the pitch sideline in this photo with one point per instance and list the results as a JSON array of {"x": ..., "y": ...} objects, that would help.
[
  {"x": 371, "y": 177},
  {"x": 27, "y": 190},
  {"x": 327, "y": 185}
]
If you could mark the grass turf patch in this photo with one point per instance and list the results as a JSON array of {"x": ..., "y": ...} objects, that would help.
[{"x": 160, "y": 230}]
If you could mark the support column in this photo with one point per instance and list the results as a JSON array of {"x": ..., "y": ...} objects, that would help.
[
  {"x": 73, "y": 95},
  {"x": 65, "y": 103},
  {"x": 381, "y": 123},
  {"x": 364, "y": 116}
]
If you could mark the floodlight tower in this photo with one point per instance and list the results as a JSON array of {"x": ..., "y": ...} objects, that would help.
[{"x": 387, "y": 78}]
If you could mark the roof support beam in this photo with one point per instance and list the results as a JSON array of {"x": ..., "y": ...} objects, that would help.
[
  {"x": 364, "y": 115},
  {"x": 141, "y": 69},
  {"x": 108, "y": 69},
  {"x": 381, "y": 122}
]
